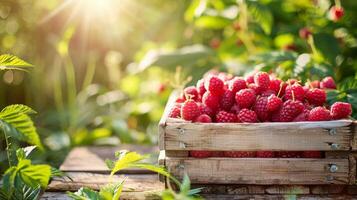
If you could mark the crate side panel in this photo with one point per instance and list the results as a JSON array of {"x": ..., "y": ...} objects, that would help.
[
  {"x": 227, "y": 137},
  {"x": 259, "y": 171}
]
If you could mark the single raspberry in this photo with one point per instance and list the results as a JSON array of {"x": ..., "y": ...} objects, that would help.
[
  {"x": 235, "y": 109},
  {"x": 214, "y": 85},
  {"x": 296, "y": 91},
  {"x": 226, "y": 117},
  {"x": 249, "y": 79},
  {"x": 265, "y": 154},
  {"x": 304, "y": 33},
  {"x": 175, "y": 111},
  {"x": 203, "y": 118},
  {"x": 245, "y": 98},
  {"x": 211, "y": 100},
  {"x": 261, "y": 109},
  {"x": 201, "y": 87},
  {"x": 276, "y": 84},
  {"x": 227, "y": 100},
  {"x": 316, "y": 96},
  {"x": 288, "y": 154},
  {"x": 328, "y": 83},
  {"x": 336, "y": 13},
  {"x": 191, "y": 92},
  {"x": 200, "y": 154},
  {"x": 313, "y": 84},
  {"x": 304, "y": 116},
  {"x": 180, "y": 100},
  {"x": 312, "y": 154},
  {"x": 240, "y": 154},
  {"x": 319, "y": 114},
  {"x": 340, "y": 110},
  {"x": 274, "y": 103},
  {"x": 189, "y": 110},
  {"x": 262, "y": 80},
  {"x": 248, "y": 116},
  {"x": 290, "y": 110},
  {"x": 237, "y": 84},
  {"x": 257, "y": 90}
]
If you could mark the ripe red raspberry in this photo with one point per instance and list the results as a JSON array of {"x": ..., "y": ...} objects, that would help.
[
  {"x": 240, "y": 154},
  {"x": 235, "y": 109},
  {"x": 189, "y": 110},
  {"x": 211, "y": 100},
  {"x": 200, "y": 154},
  {"x": 237, "y": 84},
  {"x": 311, "y": 154},
  {"x": 304, "y": 33},
  {"x": 249, "y": 79},
  {"x": 288, "y": 154},
  {"x": 262, "y": 80},
  {"x": 226, "y": 117},
  {"x": 261, "y": 109},
  {"x": 319, "y": 114},
  {"x": 227, "y": 100},
  {"x": 245, "y": 98},
  {"x": 275, "y": 116},
  {"x": 267, "y": 93},
  {"x": 298, "y": 91},
  {"x": 248, "y": 116},
  {"x": 336, "y": 13},
  {"x": 203, "y": 119},
  {"x": 217, "y": 154},
  {"x": 180, "y": 100},
  {"x": 214, "y": 85},
  {"x": 304, "y": 116},
  {"x": 191, "y": 92},
  {"x": 265, "y": 154},
  {"x": 175, "y": 111},
  {"x": 201, "y": 87},
  {"x": 340, "y": 110},
  {"x": 257, "y": 90},
  {"x": 275, "y": 85},
  {"x": 274, "y": 103},
  {"x": 313, "y": 84},
  {"x": 328, "y": 83},
  {"x": 290, "y": 110},
  {"x": 316, "y": 96}
]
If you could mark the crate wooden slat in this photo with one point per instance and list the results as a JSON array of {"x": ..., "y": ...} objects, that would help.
[{"x": 251, "y": 137}]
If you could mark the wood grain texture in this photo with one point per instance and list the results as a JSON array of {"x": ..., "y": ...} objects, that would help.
[
  {"x": 260, "y": 171},
  {"x": 278, "y": 197},
  {"x": 353, "y": 169},
  {"x": 258, "y": 136},
  {"x": 133, "y": 182},
  {"x": 124, "y": 196},
  {"x": 354, "y": 133},
  {"x": 92, "y": 159}
]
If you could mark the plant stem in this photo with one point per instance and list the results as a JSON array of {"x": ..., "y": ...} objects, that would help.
[{"x": 7, "y": 144}]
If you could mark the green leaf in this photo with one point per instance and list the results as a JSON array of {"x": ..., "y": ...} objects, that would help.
[
  {"x": 186, "y": 56},
  {"x": 34, "y": 175},
  {"x": 125, "y": 160},
  {"x": 17, "y": 116},
  {"x": 8, "y": 62},
  {"x": 24, "y": 192},
  {"x": 84, "y": 194},
  {"x": 195, "y": 9},
  {"x": 261, "y": 14},
  {"x": 112, "y": 191},
  {"x": 212, "y": 22},
  {"x": 327, "y": 46}
]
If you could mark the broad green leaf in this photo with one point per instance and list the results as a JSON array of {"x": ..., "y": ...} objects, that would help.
[
  {"x": 125, "y": 160},
  {"x": 111, "y": 191},
  {"x": 348, "y": 84},
  {"x": 186, "y": 56},
  {"x": 8, "y": 62},
  {"x": 34, "y": 175},
  {"x": 212, "y": 22},
  {"x": 327, "y": 46},
  {"x": 24, "y": 192},
  {"x": 195, "y": 9},
  {"x": 262, "y": 15},
  {"x": 18, "y": 117},
  {"x": 84, "y": 194}
]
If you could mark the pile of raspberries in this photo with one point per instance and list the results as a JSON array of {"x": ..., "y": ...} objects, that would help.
[{"x": 257, "y": 98}]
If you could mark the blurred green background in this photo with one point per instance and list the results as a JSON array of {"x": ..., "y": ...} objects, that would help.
[{"x": 105, "y": 68}]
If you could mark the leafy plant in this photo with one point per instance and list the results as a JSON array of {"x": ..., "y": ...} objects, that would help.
[
  {"x": 185, "y": 193},
  {"x": 108, "y": 192},
  {"x": 11, "y": 62}
]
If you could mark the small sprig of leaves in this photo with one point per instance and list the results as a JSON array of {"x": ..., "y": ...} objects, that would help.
[
  {"x": 25, "y": 180},
  {"x": 185, "y": 193},
  {"x": 11, "y": 62}
]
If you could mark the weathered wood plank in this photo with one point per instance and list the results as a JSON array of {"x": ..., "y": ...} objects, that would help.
[
  {"x": 133, "y": 182},
  {"x": 124, "y": 196},
  {"x": 278, "y": 197},
  {"x": 354, "y": 133},
  {"x": 258, "y": 136},
  {"x": 260, "y": 171},
  {"x": 92, "y": 159}
]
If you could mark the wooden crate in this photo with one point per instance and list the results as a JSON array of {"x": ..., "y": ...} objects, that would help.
[{"x": 336, "y": 138}]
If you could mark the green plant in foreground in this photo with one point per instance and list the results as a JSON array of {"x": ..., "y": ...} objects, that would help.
[{"x": 134, "y": 160}]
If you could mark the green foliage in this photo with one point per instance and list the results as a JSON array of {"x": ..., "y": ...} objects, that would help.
[
  {"x": 17, "y": 123},
  {"x": 186, "y": 193},
  {"x": 108, "y": 192},
  {"x": 11, "y": 62}
]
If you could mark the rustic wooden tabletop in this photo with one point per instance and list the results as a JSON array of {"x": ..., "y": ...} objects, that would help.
[{"x": 86, "y": 166}]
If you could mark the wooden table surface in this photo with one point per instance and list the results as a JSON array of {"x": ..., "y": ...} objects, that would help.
[{"x": 86, "y": 167}]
